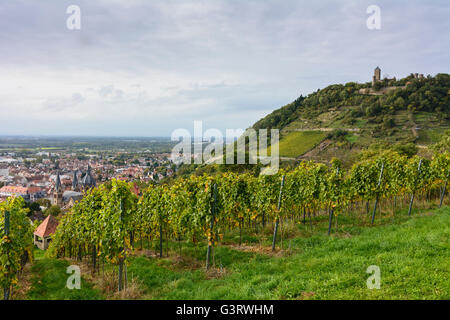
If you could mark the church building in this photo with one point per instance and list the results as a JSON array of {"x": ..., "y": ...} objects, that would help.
[{"x": 79, "y": 186}]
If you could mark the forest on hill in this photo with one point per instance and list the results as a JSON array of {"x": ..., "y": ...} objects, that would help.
[
  {"x": 430, "y": 94},
  {"x": 407, "y": 115}
]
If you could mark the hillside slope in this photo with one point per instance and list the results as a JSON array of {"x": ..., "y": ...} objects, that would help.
[{"x": 339, "y": 121}]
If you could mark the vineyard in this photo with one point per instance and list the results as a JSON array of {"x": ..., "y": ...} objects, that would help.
[
  {"x": 16, "y": 242},
  {"x": 110, "y": 222}
]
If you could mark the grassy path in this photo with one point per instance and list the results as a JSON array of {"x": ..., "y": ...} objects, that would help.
[{"x": 48, "y": 282}]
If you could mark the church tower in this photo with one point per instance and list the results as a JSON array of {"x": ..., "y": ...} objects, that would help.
[
  {"x": 75, "y": 184},
  {"x": 58, "y": 192},
  {"x": 88, "y": 180}
]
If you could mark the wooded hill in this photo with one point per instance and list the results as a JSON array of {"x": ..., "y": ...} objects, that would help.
[{"x": 407, "y": 115}]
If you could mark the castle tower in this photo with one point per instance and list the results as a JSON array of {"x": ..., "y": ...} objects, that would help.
[
  {"x": 58, "y": 192},
  {"x": 377, "y": 75}
]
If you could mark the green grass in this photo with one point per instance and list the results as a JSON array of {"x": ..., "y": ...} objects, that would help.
[
  {"x": 413, "y": 255},
  {"x": 360, "y": 123},
  {"x": 48, "y": 282},
  {"x": 38, "y": 254},
  {"x": 296, "y": 143},
  {"x": 297, "y": 124},
  {"x": 424, "y": 117},
  {"x": 430, "y": 135},
  {"x": 351, "y": 138}
]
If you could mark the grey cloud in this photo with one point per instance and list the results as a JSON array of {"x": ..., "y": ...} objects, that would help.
[
  {"x": 77, "y": 98},
  {"x": 230, "y": 60},
  {"x": 59, "y": 104},
  {"x": 111, "y": 92}
]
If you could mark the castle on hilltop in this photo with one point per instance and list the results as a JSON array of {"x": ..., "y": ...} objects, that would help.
[{"x": 377, "y": 76}]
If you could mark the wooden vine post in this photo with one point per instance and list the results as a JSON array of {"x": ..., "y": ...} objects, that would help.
[
  {"x": 378, "y": 194},
  {"x": 121, "y": 258},
  {"x": 413, "y": 193},
  {"x": 304, "y": 214},
  {"x": 331, "y": 211},
  {"x": 160, "y": 238},
  {"x": 211, "y": 227},
  {"x": 6, "y": 290},
  {"x": 277, "y": 221}
]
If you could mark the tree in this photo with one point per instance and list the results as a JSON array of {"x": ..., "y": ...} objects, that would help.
[
  {"x": 34, "y": 207},
  {"x": 53, "y": 210},
  {"x": 378, "y": 85},
  {"x": 44, "y": 202},
  {"x": 388, "y": 122},
  {"x": 409, "y": 149},
  {"x": 373, "y": 109},
  {"x": 399, "y": 103}
]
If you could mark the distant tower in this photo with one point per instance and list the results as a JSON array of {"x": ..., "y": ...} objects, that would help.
[
  {"x": 58, "y": 193},
  {"x": 376, "y": 76},
  {"x": 88, "y": 180},
  {"x": 75, "y": 181}
]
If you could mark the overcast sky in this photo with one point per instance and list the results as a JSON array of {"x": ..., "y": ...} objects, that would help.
[{"x": 147, "y": 67}]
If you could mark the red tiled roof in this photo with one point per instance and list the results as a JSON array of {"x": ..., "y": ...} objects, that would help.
[
  {"x": 19, "y": 190},
  {"x": 34, "y": 189},
  {"x": 47, "y": 227},
  {"x": 14, "y": 189}
]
